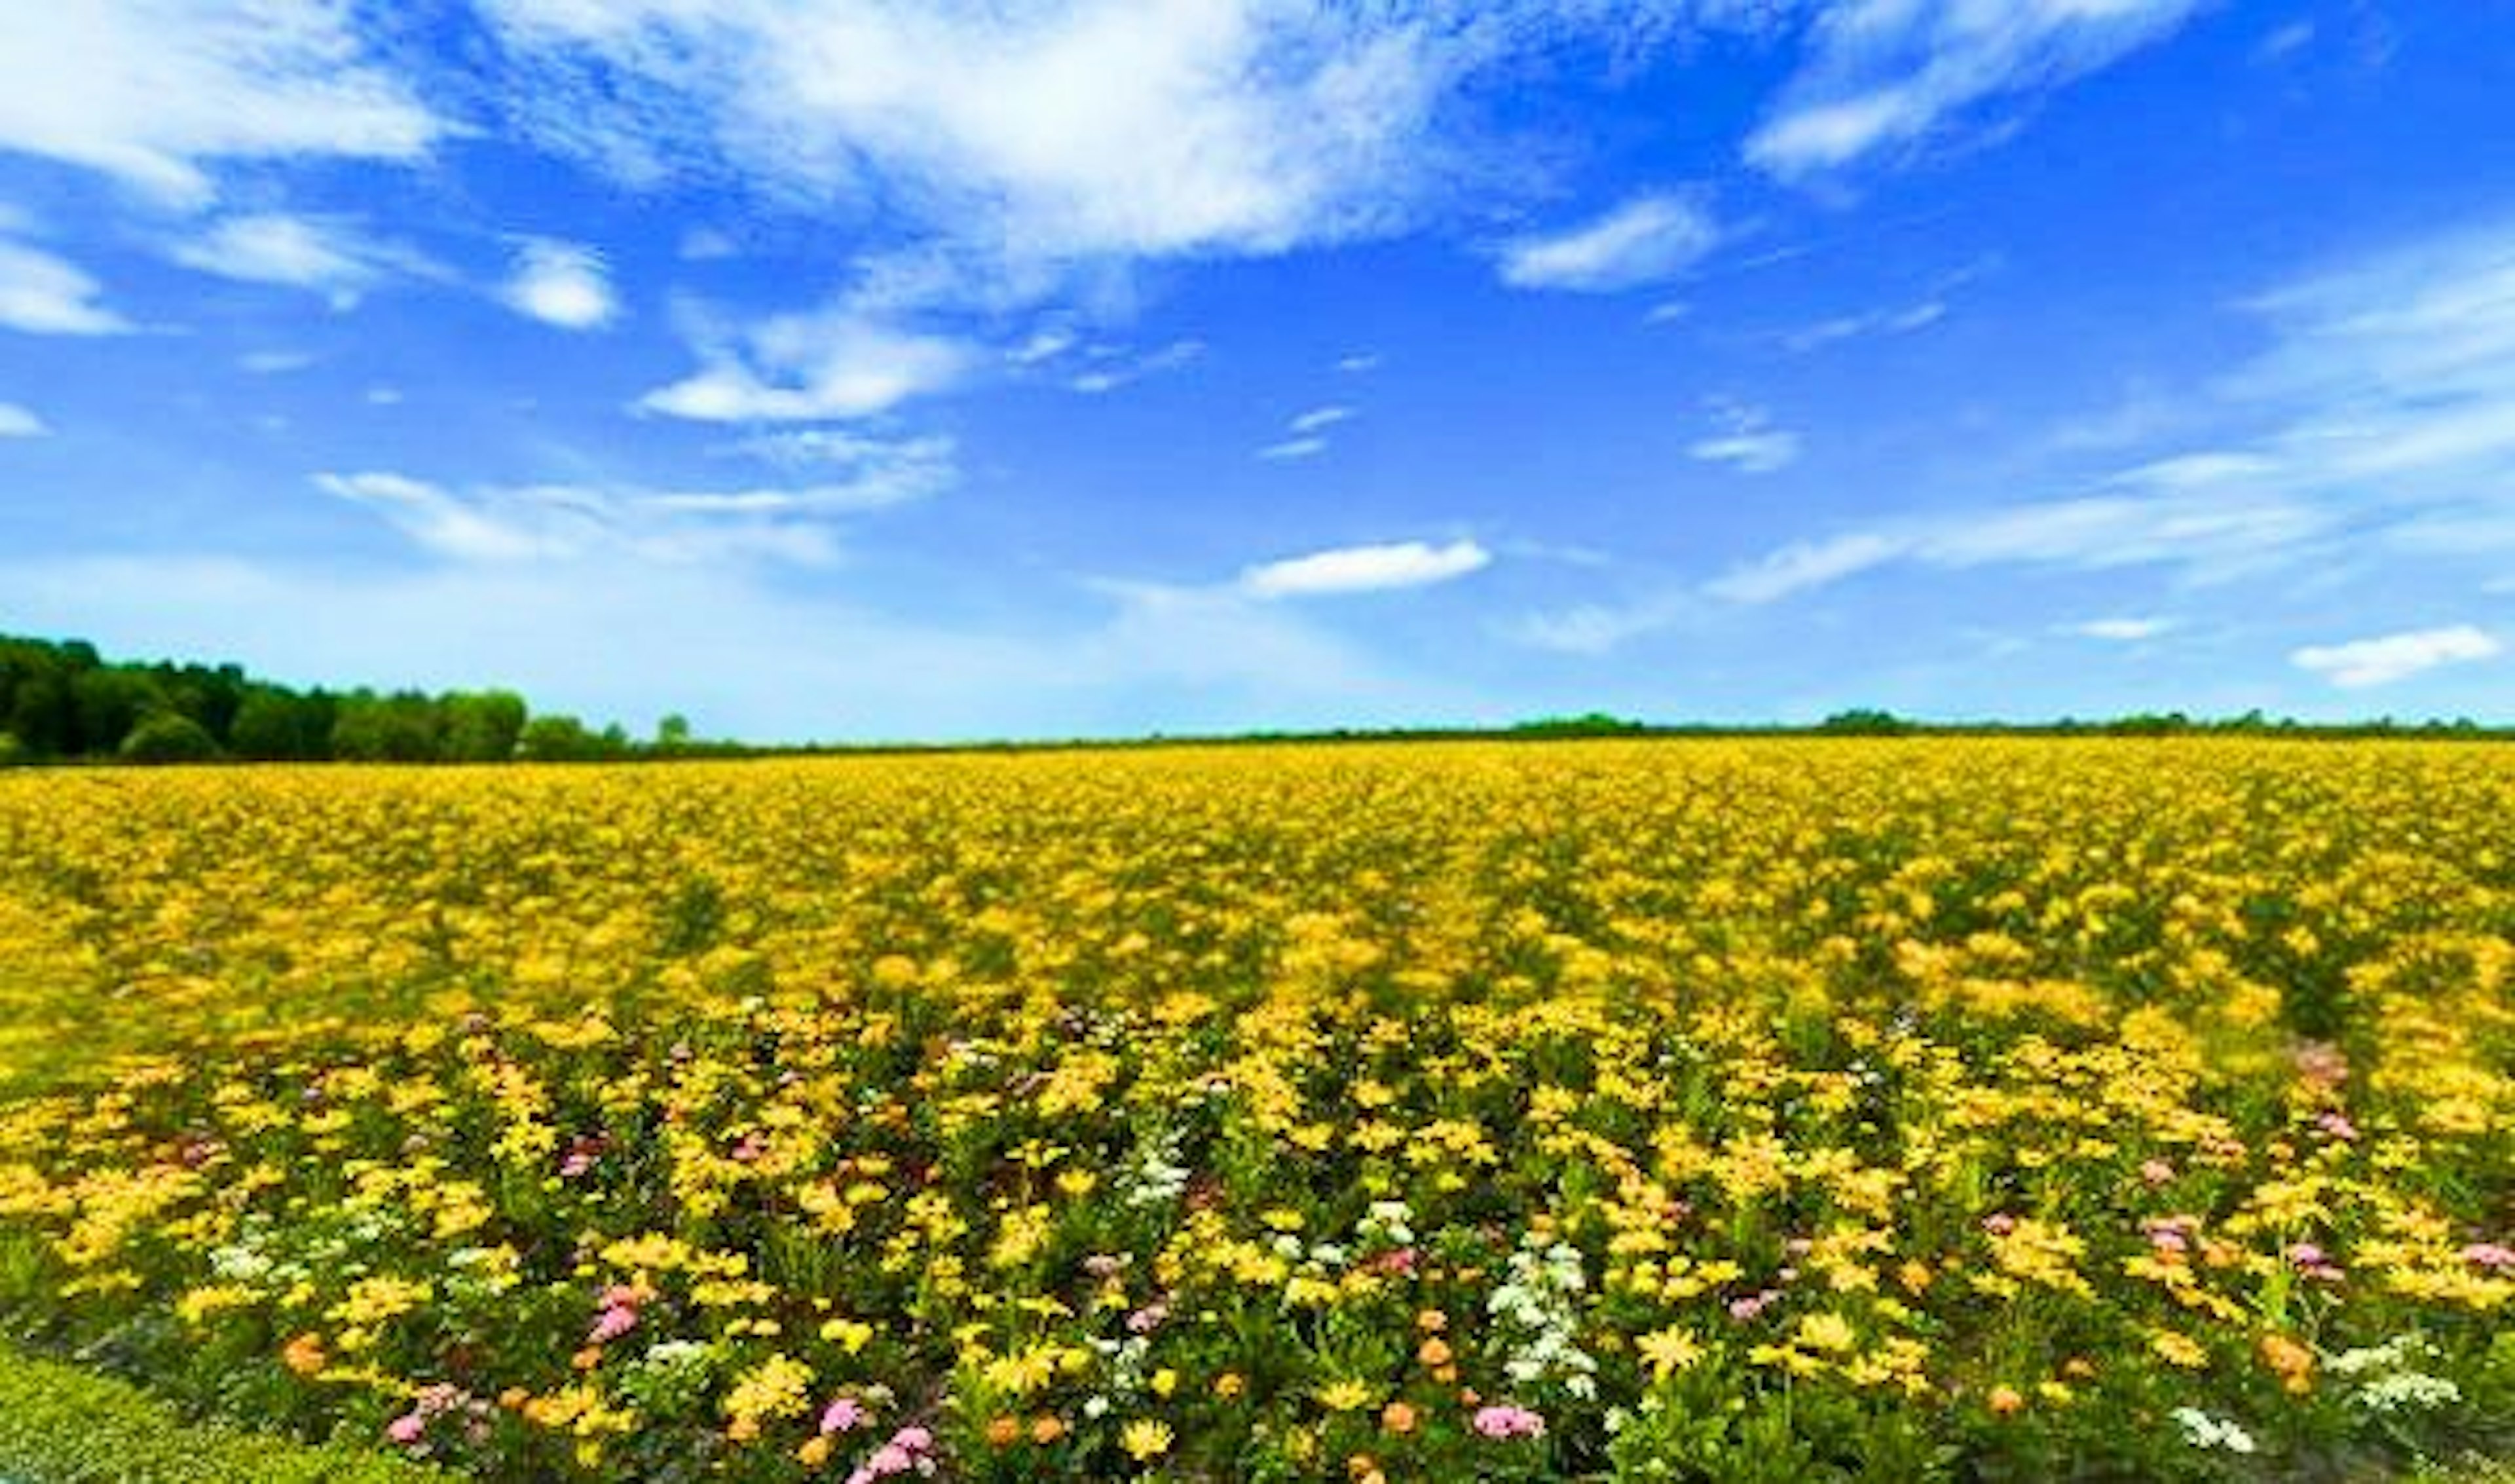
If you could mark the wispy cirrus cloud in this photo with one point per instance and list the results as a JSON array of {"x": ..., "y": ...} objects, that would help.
[
  {"x": 1885, "y": 74},
  {"x": 17, "y": 422},
  {"x": 158, "y": 93},
  {"x": 41, "y": 294},
  {"x": 1747, "y": 441},
  {"x": 564, "y": 522},
  {"x": 1305, "y": 434},
  {"x": 1646, "y": 240},
  {"x": 330, "y": 256}
]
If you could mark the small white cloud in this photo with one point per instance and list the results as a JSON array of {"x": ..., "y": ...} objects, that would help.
[
  {"x": 273, "y": 363},
  {"x": 43, "y": 295},
  {"x": 814, "y": 367},
  {"x": 2395, "y": 656},
  {"x": 2122, "y": 631},
  {"x": 322, "y": 254},
  {"x": 562, "y": 284},
  {"x": 383, "y": 397},
  {"x": 1047, "y": 343},
  {"x": 1669, "y": 312},
  {"x": 1364, "y": 569},
  {"x": 1751, "y": 445},
  {"x": 17, "y": 422},
  {"x": 1359, "y": 363},
  {"x": 1318, "y": 418},
  {"x": 1116, "y": 371},
  {"x": 1648, "y": 240},
  {"x": 1294, "y": 448}
]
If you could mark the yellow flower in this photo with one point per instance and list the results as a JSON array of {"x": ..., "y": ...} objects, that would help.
[
  {"x": 1669, "y": 1352},
  {"x": 1146, "y": 1439}
]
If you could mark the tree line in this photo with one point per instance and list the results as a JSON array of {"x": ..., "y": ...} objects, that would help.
[{"x": 62, "y": 701}]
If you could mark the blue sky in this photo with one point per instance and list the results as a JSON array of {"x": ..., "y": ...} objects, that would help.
[{"x": 836, "y": 368}]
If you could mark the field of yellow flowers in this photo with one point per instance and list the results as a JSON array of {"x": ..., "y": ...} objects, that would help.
[{"x": 1998, "y": 1110}]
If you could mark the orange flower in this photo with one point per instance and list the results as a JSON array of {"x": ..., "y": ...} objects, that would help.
[
  {"x": 1434, "y": 1351},
  {"x": 1398, "y": 1417},
  {"x": 2005, "y": 1400},
  {"x": 1046, "y": 1430},
  {"x": 814, "y": 1453},
  {"x": 303, "y": 1354},
  {"x": 2292, "y": 1362},
  {"x": 1004, "y": 1432}
]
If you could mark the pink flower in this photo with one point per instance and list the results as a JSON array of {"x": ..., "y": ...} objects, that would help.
[
  {"x": 890, "y": 1459},
  {"x": 2489, "y": 1254},
  {"x": 844, "y": 1415},
  {"x": 1508, "y": 1421},
  {"x": 613, "y": 1323},
  {"x": 2337, "y": 1126},
  {"x": 2156, "y": 1172},
  {"x": 2306, "y": 1254},
  {"x": 1999, "y": 1223},
  {"x": 913, "y": 1439},
  {"x": 407, "y": 1428}
]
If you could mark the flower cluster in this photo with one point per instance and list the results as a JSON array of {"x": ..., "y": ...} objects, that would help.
[{"x": 1708, "y": 1109}]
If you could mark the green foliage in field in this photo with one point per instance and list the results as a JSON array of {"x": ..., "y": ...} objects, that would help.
[{"x": 62, "y": 1425}]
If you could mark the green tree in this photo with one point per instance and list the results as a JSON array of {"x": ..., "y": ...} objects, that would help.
[
  {"x": 397, "y": 729},
  {"x": 559, "y": 739},
  {"x": 481, "y": 727},
  {"x": 168, "y": 736},
  {"x": 274, "y": 726},
  {"x": 106, "y": 704}
]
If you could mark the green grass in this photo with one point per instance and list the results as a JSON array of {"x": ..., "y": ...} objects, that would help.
[{"x": 61, "y": 1424}]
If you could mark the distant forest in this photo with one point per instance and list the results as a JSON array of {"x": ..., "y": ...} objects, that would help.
[{"x": 62, "y": 702}]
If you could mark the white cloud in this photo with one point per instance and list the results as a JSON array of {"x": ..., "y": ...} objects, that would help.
[
  {"x": 17, "y": 422},
  {"x": 2395, "y": 656},
  {"x": 811, "y": 367},
  {"x": 1901, "y": 321},
  {"x": 2380, "y": 419},
  {"x": 1318, "y": 418},
  {"x": 1593, "y": 629},
  {"x": 1118, "y": 369},
  {"x": 273, "y": 363},
  {"x": 1805, "y": 564},
  {"x": 1751, "y": 445},
  {"x": 1048, "y": 132},
  {"x": 562, "y": 284},
  {"x": 43, "y": 295},
  {"x": 1364, "y": 569},
  {"x": 1885, "y": 74},
  {"x": 1645, "y": 240},
  {"x": 322, "y": 254},
  {"x": 151, "y": 92},
  {"x": 559, "y": 524},
  {"x": 1360, "y": 363},
  {"x": 1294, "y": 448},
  {"x": 2122, "y": 631}
]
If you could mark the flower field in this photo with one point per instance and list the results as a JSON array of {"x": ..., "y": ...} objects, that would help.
[{"x": 1999, "y": 1109}]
